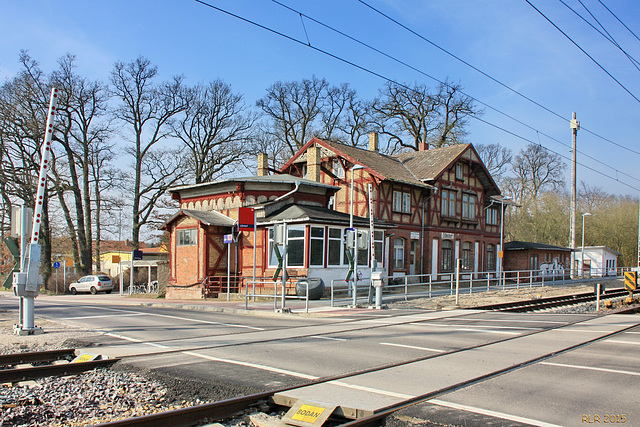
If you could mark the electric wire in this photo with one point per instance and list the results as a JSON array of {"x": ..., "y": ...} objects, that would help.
[
  {"x": 381, "y": 76},
  {"x": 583, "y": 51},
  {"x": 446, "y": 84},
  {"x": 618, "y": 19},
  {"x": 607, "y": 36},
  {"x": 494, "y": 79}
]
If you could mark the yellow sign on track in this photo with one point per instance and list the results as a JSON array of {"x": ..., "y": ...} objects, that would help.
[
  {"x": 308, "y": 414},
  {"x": 631, "y": 280}
]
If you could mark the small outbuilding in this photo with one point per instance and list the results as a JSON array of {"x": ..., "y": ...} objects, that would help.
[
  {"x": 599, "y": 261},
  {"x": 549, "y": 260}
]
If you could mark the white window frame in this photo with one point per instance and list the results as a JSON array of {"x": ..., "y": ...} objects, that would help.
[
  {"x": 338, "y": 169},
  {"x": 398, "y": 253},
  {"x": 397, "y": 201},
  {"x": 316, "y": 239},
  {"x": 187, "y": 237},
  {"x": 406, "y": 202},
  {"x": 337, "y": 242},
  {"x": 492, "y": 216},
  {"x": 459, "y": 172},
  {"x": 469, "y": 206},
  {"x": 448, "y": 203}
]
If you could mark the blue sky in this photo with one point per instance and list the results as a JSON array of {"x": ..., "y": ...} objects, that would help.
[{"x": 506, "y": 39}]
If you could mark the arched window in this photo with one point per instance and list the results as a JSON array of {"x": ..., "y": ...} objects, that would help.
[
  {"x": 491, "y": 257},
  {"x": 398, "y": 253},
  {"x": 447, "y": 255},
  {"x": 467, "y": 256}
]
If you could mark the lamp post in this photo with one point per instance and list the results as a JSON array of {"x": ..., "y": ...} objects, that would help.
[
  {"x": 355, "y": 237},
  {"x": 582, "y": 250},
  {"x": 501, "y": 253}
]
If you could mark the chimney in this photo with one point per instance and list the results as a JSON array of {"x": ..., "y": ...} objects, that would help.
[
  {"x": 313, "y": 163},
  {"x": 423, "y": 146},
  {"x": 263, "y": 168},
  {"x": 373, "y": 141}
]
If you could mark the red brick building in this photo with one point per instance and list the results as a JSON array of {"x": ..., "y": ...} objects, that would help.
[
  {"x": 549, "y": 260},
  {"x": 429, "y": 208}
]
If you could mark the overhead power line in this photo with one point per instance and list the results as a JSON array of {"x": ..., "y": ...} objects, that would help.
[
  {"x": 374, "y": 73},
  {"x": 618, "y": 19},
  {"x": 607, "y": 36},
  {"x": 584, "y": 129},
  {"x": 583, "y": 51},
  {"x": 443, "y": 83}
]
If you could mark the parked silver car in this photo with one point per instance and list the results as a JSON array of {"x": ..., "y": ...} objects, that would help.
[{"x": 94, "y": 284}]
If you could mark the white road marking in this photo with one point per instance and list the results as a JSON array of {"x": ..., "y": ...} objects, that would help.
[
  {"x": 591, "y": 368},
  {"x": 137, "y": 313},
  {"x": 445, "y": 325},
  {"x": 490, "y": 413},
  {"x": 473, "y": 328},
  {"x": 103, "y": 315},
  {"x": 122, "y": 337},
  {"x": 252, "y": 365},
  {"x": 623, "y": 342},
  {"x": 515, "y": 321},
  {"x": 412, "y": 346},
  {"x": 371, "y": 390},
  {"x": 328, "y": 338}
]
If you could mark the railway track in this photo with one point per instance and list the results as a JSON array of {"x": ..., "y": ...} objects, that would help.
[
  {"x": 554, "y": 302},
  {"x": 29, "y": 366},
  {"x": 218, "y": 411}
]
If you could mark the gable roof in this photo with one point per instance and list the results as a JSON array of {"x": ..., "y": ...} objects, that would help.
[
  {"x": 415, "y": 168},
  {"x": 205, "y": 217},
  {"x": 379, "y": 165},
  {"x": 429, "y": 165}
]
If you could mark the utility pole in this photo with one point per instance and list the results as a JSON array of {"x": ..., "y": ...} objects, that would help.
[{"x": 575, "y": 125}]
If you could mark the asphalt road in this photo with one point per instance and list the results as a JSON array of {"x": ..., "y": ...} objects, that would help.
[{"x": 594, "y": 384}]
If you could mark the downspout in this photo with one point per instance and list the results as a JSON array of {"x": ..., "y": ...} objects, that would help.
[{"x": 290, "y": 192}]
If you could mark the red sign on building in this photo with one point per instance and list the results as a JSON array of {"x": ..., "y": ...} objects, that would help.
[{"x": 246, "y": 219}]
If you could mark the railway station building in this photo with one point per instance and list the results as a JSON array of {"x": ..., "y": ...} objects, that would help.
[{"x": 426, "y": 209}]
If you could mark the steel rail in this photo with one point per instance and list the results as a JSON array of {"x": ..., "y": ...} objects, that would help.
[
  {"x": 35, "y": 372},
  {"x": 217, "y": 410},
  {"x": 36, "y": 356},
  {"x": 543, "y": 303},
  {"x": 375, "y": 419}
]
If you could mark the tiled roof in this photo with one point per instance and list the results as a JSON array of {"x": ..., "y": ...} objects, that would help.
[
  {"x": 427, "y": 165},
  {"x": 386, "y": 167},
  {"x": 205, "y": 217}
]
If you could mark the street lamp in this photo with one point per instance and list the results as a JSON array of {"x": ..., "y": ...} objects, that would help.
[
  {"x": 355, "y": 237},
  {"x": 582, "y": 250},
  {"x": 500, "y": 258}
]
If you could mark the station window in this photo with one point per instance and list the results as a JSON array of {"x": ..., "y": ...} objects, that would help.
[
  {"x": 448, "y": 207},
  {"x": 468, "y": 206},
  {"x": 467, "y": 257},
  {"x": 295, "y": 246},
  {"x": 492, "y": 216},
  {"x": 316, "y": 246},
  {"x": 334, "y": 253},
  {"x": 491, "y": 257},
  {"x": 187, "y": 237},
  {"x": 398, "y": 253},
  {"x": 447, "y": 255}
]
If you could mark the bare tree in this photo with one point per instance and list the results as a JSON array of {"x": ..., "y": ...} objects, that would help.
[
  {"x": 216, "y": 129},
  {"x": 536, "y": 169},
  {"x": 434, "y": 119},
  {"x": 148, "y": 109},
  {"x": 293, "y": 108},
  {"x": 496, "y": 159},
  {"x": 84, "y": 128}
]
